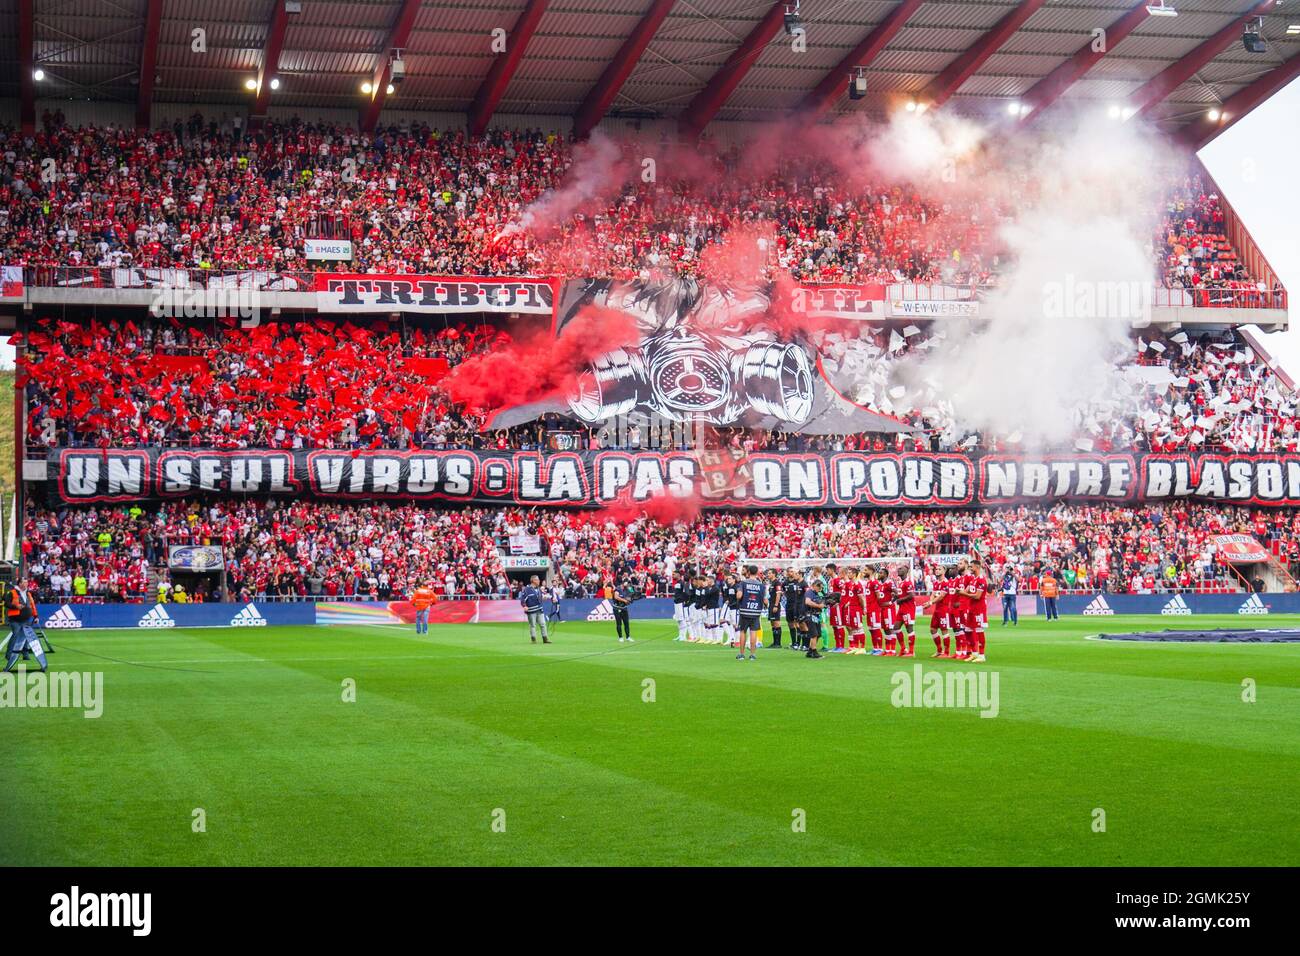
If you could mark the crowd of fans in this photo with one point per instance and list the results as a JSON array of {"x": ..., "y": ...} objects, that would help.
[
  {"x": 314, "y": 550},
  {"x": 325, "y": 383},
  {"x": 203, "y": 195},
  {"x": 1206, "y": 391},
  {"x": 313, "y": 384}
]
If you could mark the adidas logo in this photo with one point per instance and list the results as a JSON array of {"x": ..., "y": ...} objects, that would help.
[
  {"x": 64, "y": 618},
  {"x": 250, "y": 616},
  {"x": 158, "y": 617},
  {"x": 604, "y": 611},
  {"x": 1176, "y": 606},
  {"x": 1098, "y": 605},
  {"x": 1253, "y": 605}
]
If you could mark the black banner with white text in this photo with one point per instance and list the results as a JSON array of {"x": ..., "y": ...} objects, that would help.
[{"x": 722, "y": 479}]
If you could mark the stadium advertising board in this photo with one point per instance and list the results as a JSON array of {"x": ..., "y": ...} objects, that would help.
[
  {"x": 595, "y": 478},
  {"x": 70, "y": 616},
  {"x": 525, "y": 562},
  {"x": 335, "y": 250}
]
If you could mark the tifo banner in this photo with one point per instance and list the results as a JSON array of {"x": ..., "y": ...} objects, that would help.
[
  {"x": 1239, "y": 548},
  {"x": 839, "y": 301},
  {"x": 195, "y": 557},
  {"x": 521, "y": 543},
  {"x": 715, "y": 356},
  {"x": 595, "y": 478},
  {"x": 338, "y": 292},
  {"x": 141, "y": 278},
  {"x": 11, "y": 282}
]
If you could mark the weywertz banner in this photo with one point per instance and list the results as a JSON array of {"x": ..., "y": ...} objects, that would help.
[{"x": 722, "y": 479}]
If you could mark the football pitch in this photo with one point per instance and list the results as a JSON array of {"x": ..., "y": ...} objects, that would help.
[{"x": 370, "y": 745}]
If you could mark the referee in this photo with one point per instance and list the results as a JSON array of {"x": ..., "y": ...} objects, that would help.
[
  {"x": 794, "y": 594},
  {"x": 773, "y": 586},
  {"x": 621, "y": 601},
  {"x": 531, "y": 599}
]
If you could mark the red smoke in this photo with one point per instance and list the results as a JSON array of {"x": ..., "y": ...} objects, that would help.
[
  {"x": 536, "y": 366},
  {"x": 665, "y": 509}
]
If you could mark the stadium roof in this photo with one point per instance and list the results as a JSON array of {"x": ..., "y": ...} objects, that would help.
[{"x": 692, "y": 60}]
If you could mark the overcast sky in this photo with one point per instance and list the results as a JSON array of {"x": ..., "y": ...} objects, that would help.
[{"x": 1255, "y": 164}]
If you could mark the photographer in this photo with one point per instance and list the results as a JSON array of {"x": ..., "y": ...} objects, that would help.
[
  {"x": 624, "y": 593},
  {"x": 1009, "y": 588},
  {"x": 814, "y": 602}
]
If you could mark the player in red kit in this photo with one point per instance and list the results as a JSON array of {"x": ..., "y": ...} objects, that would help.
[
  {"x": 855, "y": 609},
  {"x": 871, "y": 592},
  {"x": 977, "y": 592},
  {"x": 889, "y": 614},
  {"x": 938, "y": 608},
  {"x": 835, "y": 612},
  {"x": 957, "y": 612},
  {"x": 905, "y": 594}
]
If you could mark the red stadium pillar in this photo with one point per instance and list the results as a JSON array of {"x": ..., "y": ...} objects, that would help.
[
  {"x": 938, "y": 90},
  {"x": 836, "y": 83},
  {"x": 1050, "y": 88},
  {"x": 270, "y": 63},
  {"x": 26, "y": 65},
  {"x": 722, "y": 84},
  {"x": 1154, "y": 92},
  {"x": 1202, "y": 130},
  {"x": 383, "y": 74},
  {"x": 148, "y": 64},
  {"x": 504, "y": 66},
  {"x": 598, "y": 101}
]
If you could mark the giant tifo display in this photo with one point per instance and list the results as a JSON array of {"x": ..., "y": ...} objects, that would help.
[{"x": 685, "y": 430}]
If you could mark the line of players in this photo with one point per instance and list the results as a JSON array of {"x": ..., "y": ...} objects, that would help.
[{"x": 715, "y": 609}]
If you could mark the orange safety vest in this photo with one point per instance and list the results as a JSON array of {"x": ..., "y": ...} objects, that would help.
[
  {"x": 1048, "y": 587},
  {"x": 19, "y": 611},
  {"x": 423, "y": 598}
]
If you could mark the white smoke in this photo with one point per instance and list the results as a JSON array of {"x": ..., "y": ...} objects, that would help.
[
  {"x": 594, "y": 175},
  {"x": 1042, "y": 360}
]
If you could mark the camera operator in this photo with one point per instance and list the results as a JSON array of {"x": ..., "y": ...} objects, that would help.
[{"x": 814, "y": 602}]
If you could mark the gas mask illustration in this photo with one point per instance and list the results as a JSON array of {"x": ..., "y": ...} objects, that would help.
[{"x": 683, "y": 375}]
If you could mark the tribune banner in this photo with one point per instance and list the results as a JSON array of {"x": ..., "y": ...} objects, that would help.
[
  {"x": 597, "y": 478},
  {"x": 447, "y": 295}
]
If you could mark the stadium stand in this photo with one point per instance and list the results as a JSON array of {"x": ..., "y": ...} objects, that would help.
[
  {"x": 374, "y": 384},
  {"x": 208, "y": 197},
  {"x": 304, "y": 550}
]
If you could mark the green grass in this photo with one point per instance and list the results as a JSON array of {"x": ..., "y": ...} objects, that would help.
[{"x": 249, "y": 725}]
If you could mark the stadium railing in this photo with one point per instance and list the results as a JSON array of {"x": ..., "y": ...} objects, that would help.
[{"x": 147, "y": 277}]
